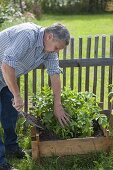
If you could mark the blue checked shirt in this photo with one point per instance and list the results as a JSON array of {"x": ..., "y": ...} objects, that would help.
[{"x": 21, "y": 47}]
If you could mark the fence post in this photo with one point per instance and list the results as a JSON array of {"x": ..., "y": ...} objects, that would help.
[
  {"x": 34, "y": 81},
  {"x": 95, "y": 68},
  {"x": 110, "y": 69},
  {"x": 80, "y": 68},
  {"x": 88, "y": 52},
  {"x": 72, "y": 68},
  {"x": 64, "y": 69},
  {"x": 103, "y": 69},
  {"x": 26, "y": 92}
]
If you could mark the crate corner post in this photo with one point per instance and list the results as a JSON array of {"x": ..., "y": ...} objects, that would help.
[{"x": 35, "y": 144}]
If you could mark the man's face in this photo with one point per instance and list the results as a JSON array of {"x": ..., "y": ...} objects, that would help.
[{"x": 53, "y": 45}]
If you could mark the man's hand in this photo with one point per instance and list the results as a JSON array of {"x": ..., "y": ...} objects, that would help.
[
  {"x": 61, "y": 115},
  {"x": 17, "y": 103}
]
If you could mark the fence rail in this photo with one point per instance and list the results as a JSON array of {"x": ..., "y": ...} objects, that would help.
[{"x": 96, "y": 69}]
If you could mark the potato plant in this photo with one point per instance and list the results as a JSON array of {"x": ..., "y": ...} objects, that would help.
[{"x": 82, "y": 107}]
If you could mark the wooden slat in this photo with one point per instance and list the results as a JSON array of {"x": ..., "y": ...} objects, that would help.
[
  {"x": 35, "y": 144},
  {"x": 64, "y": 69},
  {"x": 26, "y": 92},
  {"x": 84, "y": 62},
  {"x": 74, "y": 146},
  {"x": 110, "y": 106},
  {"x": 49, "y": 81},
  {"x": 33, "y": 133},
  {"x": 106, "y": 112},
  {"x": 34, "y": 81},
  {"x": 35, "y": 150},
  {"x": 87, "y": 68},
  {"x": 72, "y": 68},
  {"x": 95, "y": 68},
  {"x": 110, "y": 69},
  {"x": 42, "y": 78},
  {"x": 80, "y": 68},
  {"x": 18, "y": 82},
  {"x": 103, "y": 69}
]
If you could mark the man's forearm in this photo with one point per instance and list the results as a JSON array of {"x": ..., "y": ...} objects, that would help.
[
  {"x": 10, "y": 78},
  {"x": 59, "y": 112},
  {"x": 56, "y": 86}
]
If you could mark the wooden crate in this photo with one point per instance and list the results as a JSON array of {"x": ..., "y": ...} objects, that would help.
[{"x": 70, "y": 146}]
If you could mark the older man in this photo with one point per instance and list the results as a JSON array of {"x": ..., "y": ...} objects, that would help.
[{"x": 22, "y": 48}]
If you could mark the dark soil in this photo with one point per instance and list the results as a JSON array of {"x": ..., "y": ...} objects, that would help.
[
  {"x": 46, "y": 134},
  {"x": 97, "y": 129}
]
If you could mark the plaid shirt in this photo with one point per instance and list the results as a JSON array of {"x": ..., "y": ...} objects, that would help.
[{"x": 21, "y": 47}]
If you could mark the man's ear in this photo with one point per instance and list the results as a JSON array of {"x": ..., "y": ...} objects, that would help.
[{"x": 50, "y": 36}]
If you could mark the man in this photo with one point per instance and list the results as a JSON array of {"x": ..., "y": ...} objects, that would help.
[{"x": 22, "y": 48}]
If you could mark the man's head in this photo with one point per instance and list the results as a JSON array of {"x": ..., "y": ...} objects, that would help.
[{"x": 56, "y": 38}]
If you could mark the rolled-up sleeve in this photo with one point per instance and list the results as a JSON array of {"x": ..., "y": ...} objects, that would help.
[
  {"x": 52, "y": 64},
  {"x": 17, "y": 49}
]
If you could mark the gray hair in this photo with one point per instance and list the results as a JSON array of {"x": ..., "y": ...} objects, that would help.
[{"x": 59, "y": 31}]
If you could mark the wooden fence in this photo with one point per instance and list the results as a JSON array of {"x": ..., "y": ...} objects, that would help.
[{"x": 96, "y": 69}]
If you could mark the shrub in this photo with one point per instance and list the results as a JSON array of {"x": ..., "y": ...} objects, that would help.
[
  {"x": 34, "y": 7},
  {"x": 71, "y": 6},
  {"x": 37, "y": 11},
  {"x": 9, "y": 12}
]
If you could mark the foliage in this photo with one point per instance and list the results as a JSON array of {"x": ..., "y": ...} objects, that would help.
[
  {"x": 14, "y": 12},
  {"x": 34, "y": 7},
  {"x": 23, "y": 130},
  {"x": 93, "y": 161},
  {"x": 59, "y": 7},
  {"x": 72, "y": 6},
  {"x": 9, "y": 12},
  {"x": 81, "y": 106}
]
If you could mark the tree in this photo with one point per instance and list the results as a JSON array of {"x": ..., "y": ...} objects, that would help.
[
  {"x": 21, "y": 6},
  {"x": 95, "y": 5}
]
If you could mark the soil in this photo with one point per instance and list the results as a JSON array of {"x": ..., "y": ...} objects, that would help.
[
  {"x": 46, "y": 134},
  {"x": 97, "y": 129}
]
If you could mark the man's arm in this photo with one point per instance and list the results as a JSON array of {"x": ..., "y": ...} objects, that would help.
[
  {"x": 59, "y": 112},
  {"x": 15, "y": 52},
  {"x": 10, "y": 79}
]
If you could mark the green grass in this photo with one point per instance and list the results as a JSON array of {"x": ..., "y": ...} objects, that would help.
[
  {"x": 78, "y": 25},
  {"x": 93, "y": 161}
]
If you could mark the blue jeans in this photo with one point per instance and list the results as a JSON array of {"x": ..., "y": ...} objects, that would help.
[{"x": 8, "y": 118}]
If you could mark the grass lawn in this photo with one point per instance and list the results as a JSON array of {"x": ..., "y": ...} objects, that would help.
[
  {"x": 79, "y": 25},
  {"x": 97, "y": 161}
]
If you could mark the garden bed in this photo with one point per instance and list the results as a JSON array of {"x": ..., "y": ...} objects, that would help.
[
  {"x": 69, "y": 146},
  {"x": 88, "y": 130}
]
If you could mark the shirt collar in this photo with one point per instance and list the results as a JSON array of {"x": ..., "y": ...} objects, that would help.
[{"x": 40, "y": 42}]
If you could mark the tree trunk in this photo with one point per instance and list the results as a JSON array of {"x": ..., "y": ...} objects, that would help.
[
  {"x": 91, "y": 5},
  {"x": 21, "y": 7},
  {"x": 14, "y": 1},
  {"x": 97, "y": 4}
]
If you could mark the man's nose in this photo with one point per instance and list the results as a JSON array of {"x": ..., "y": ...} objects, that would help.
[{"x": 57, "y": 51}]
